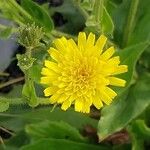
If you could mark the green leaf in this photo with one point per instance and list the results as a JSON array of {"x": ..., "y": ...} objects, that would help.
[
  {"x": 107, "y": 23},
  {"x": 56, "y": 130},
  {"x": 139, "y": 132},
  {"x": 57, "y": 144},
  {"x": 119, "y": 18},
  {"x": 29, "y": 93},
  {"x": 18, "y": 116},
  {"x": 115, "y": 111},
  {"x": 3, "y": 106},
  {"x": 35, "y": 73},
  {"x": 5, "y": 33},
  {"x": 38, "y": 14},
  {"x": 124, "y": 110},
  {"x": 142, "y": 22},
  {"x": 129, "y": 56}
]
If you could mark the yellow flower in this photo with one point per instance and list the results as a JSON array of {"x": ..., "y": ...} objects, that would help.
[{"x": 81, "y": 74}]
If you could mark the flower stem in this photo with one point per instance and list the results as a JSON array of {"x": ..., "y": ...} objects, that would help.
[
  {"x": 98, "y": 10},
  {"x": 128, "y": 28}
]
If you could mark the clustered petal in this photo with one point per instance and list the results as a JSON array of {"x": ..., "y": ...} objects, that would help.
[{"x": 82, "y": 73}]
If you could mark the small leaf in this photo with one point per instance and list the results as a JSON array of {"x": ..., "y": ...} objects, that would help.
[
  {"x": 28, "y": 115},
  {"x": 57, "y": 144},
  {"x": 57, "y": 130},
  {"x": 3, "y": 106},
  {"x": 38, "y": 14}
]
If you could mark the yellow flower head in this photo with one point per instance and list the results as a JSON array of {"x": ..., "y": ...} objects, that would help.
[{"x": 81, "y": 74}]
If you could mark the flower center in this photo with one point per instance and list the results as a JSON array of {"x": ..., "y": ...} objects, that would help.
[{"x": 81, "y": 76}]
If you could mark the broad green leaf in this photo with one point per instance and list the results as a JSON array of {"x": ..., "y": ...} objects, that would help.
[
  {"x": 119, "y": 16},
  {"x": 124, "y": 110},
  {"x": 57, "y": 144},
  {"x": 141, "y": 35},
  {"x": 18, "y": 116},
  {"x": 140, "y": 133},
  {"x": 3, "y": 106},
  {"x": 129, "y": 56},
  {"x": 142, "y": 22},
  {"x": 38, "y": 14},
  {"x": 56, "y": 130}
]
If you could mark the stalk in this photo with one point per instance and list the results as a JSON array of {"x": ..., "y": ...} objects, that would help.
[{"x": 128, "y": 28}]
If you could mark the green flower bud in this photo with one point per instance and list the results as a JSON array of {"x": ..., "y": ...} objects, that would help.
[{"x": 30, "y": 36}]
